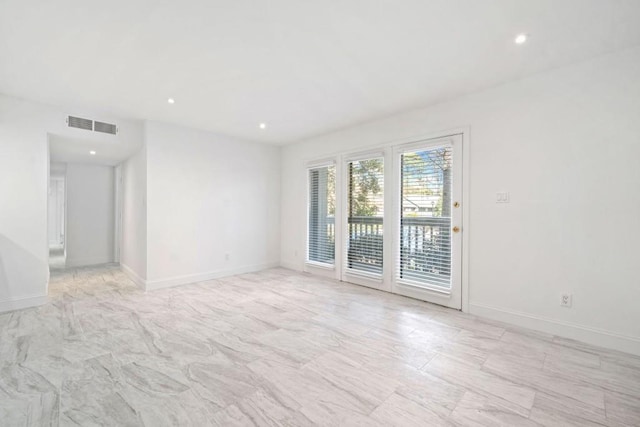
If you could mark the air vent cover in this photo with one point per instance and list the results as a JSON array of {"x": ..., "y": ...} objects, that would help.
[
  {"x": 105, "y": 128},
  {"x": 77, "y": 122}
]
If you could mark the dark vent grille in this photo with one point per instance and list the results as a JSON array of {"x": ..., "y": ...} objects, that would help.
[
  {"x": 77, "y": 122},
  {"x": 105, "y": 128}
]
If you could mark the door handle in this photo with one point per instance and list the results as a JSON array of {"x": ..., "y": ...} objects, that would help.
[{"x": 456, "y": 229}]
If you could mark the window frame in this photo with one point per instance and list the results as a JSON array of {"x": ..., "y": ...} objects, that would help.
[
  {"x": 308, "y": 262},
  {"x": 359, "y": 277}
]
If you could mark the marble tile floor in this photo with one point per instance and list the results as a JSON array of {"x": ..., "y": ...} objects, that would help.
[{"x": 278, "y": 348}]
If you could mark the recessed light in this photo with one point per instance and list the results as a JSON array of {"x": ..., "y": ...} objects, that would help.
[
  {"x": 171, "y": 101},
  {"x": 93, "y": 153},
  {"x": 521, "y": 38},
  {"x": 263, "y": 125}
]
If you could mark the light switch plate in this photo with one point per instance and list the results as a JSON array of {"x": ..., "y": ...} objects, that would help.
[{"x": 502, "y": 197}]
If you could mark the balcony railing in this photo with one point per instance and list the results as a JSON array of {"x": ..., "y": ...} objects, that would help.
[
  {"x": 425, "y": 250},
  {"x": 425, "y": 247},
  {"x": 365, "y": 244}
]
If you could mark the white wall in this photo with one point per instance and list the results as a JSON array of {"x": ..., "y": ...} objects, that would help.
[
  {"x": 90, "y": 214},
  {"x": 133, "y": 256},
  {"x": 209, "y": 196},
  {"x": 565, "y": 144},
  {"x": 23, "y": 216}
]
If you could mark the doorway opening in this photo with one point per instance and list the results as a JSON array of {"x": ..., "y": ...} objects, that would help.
[
  {"x": 56, "y": 219},
  {"x": 83, "y": 215}
]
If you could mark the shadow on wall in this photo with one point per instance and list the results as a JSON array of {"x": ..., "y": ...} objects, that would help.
[{"x": 22, "y": 274}]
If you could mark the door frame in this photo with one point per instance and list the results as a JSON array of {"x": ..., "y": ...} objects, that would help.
[
  {"x": 59, "y": 208},
  {"x": 349, "y": 275},
  {"x": 62, "y": 176},
  {"x": 465, "y": 133},
  {"x": 118, "y": 192},
  {"x": 454, "y": 298}
]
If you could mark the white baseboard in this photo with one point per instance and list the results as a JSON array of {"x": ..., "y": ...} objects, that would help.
[
  {"x": 85, "y": 262},
  {"x": 151, "y": 285},
  {"x": 589, "y": 335},
  {"x": 142, "y": 283},
  {"x": 23, "y": 302},
  {"x": 291, "y": 265}
]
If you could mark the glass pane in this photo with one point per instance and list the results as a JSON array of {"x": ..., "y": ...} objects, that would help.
[
  {"x": 322, "y": 209},
  {"x": 365, "y": 215},
  {"x": 425, "y": 226}
]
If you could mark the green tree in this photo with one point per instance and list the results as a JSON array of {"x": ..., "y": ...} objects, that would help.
[
  {"x": 331, "y": 191},
  {"x": 429, "y": 173},
  {"x": 365, "y": 184},
  {"x": 414, "y": 180}
]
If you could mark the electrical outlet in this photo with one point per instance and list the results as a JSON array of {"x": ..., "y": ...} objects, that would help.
[
  {"x": 565, "y": 300},
  {"x": 227, "y": 256},
  {"x": 502, "y": 197}
]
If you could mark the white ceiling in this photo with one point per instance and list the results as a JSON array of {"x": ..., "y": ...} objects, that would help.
[
  {"x": 302, "y": 67},
  {"x": 64, "y": 149}
]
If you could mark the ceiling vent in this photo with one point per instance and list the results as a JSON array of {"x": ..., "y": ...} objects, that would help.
[
  {"x": 86, "y": 124},
  {"x": 105, "y": 128},
  {"x": 77, "y": 122}
]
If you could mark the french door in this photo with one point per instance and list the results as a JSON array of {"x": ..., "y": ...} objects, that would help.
[
  {"x": 428, "y": 232},
  {"x": 364, "y": 224},
  {"x": 394, "y": 221}
]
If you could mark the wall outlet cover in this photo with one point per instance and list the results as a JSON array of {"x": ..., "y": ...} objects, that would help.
[{"x": 566, "y": 300}]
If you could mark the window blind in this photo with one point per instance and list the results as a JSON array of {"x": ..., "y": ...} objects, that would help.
[
  {"x": 365, "y": 215},
  {"x": 321, "y": 233},
  {"x": 425, "y": 224}
]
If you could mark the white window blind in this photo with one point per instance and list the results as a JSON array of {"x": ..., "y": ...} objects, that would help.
[
  {"x": 425, "y": 225},
  {"x": 365, "y": 215},
  {"x": 322, "y": 202}
]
